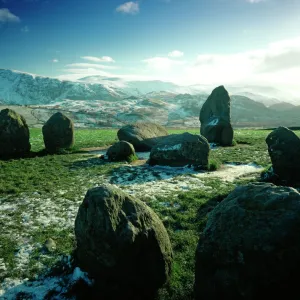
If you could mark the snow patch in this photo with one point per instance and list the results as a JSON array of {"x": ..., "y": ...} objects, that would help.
[
  {"x": 213, "y": 122},
  {"x": 80, "y": 275},
  {"x": 170, "y": 148}
]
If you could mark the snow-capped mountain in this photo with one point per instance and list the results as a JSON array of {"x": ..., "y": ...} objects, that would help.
[
  {"x": 28, "y": 89},
  {"x": 23, "y": 88}
]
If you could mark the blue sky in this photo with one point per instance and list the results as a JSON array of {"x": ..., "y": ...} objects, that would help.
[{"x": 186, "y": 41}]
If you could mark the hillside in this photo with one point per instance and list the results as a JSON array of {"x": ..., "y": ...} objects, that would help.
[
  {"x": 97, "y": 101},
  {"x": 282, "y": 106}
]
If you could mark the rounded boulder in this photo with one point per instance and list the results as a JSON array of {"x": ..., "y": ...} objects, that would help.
[
  {"x": 250, "y": 247},
  {"x": 143, "y": 136},
  {"x": 58, "y": 133},
  {"x": 122, "y": 243},
  {"x": 14, "y": 134},
  {"x": 121, "y": 151}
]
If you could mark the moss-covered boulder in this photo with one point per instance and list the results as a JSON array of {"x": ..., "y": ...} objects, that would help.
[
  {"x": 250, "y": 247},
  {"x": 121, "y": 151},
  {"x": 14, "y": 134},
  {"x": 181, "y": 150},
  {"x": 58, "y": 133},
  {"x": 122, "y": 244},
  {"x": 143, "y": 136}
]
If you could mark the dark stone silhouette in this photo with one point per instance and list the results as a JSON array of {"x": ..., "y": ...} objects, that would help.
[
  {"x": 58, "y": 133},
  {"x": 250, "y": 247},
  {"x": 14, "y": 134},
  {"x": 284, "y": 150},
  {"x": 215, "y": 118}
]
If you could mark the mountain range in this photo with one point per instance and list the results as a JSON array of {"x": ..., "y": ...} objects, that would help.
[{"x": 95, "y": 101}]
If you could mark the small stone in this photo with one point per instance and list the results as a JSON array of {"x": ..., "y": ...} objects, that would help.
[{"x": 50, "y": 245}]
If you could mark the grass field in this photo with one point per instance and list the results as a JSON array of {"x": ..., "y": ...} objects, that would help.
[{"x": 40, "y": 196}]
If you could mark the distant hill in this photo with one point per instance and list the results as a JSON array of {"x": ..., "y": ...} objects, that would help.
[{"x": 282, "y": 106}]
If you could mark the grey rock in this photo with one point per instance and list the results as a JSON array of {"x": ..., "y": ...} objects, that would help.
[
  {"x": 58, "y": 133},
  {"x": 250, "y": 247},
  {"x": 284, "y": 150},
  {"x": 143, "y": 136},
  {"x": 14, "y": 134},
  {"x": 181, "y": 150},
  {"x": 120, "y": 240},
  {"x": 121, "y": 151}
]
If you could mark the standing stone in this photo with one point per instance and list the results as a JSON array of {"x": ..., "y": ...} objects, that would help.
[
  {"x": 143, "y": 136},
  {"x": 121, "y": 151},
  {"x": 215, "y": 118},
  {"x": 14, "y": 134},
  {"x": 181, "y": 150},
  {"x": 250, "y": 247},
  {"x": 284, "y": 150},
  {"x": 122, "y": 244},
  {"x": 58, "y": 133}
]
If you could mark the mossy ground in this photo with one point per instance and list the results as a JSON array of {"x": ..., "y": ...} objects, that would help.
[{"x": 40, "y": 196}]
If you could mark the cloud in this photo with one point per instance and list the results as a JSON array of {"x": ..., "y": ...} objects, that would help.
[
  {"x": 277, "y": 63},
  {"x": 7, "y": 17},
  {"x": 99, "y": 59},
  {"x": 162, "y": 63},
  {"x": 176, "y": 53},
  {"x": 87, "y": 65},
  {"x": 74, "y": 74},
  {"x": 55, "y": 60},
  {"x": 255, "y": 1},
  {"x": 25, "y": 29},
  {"x": 129, "y": 8}
]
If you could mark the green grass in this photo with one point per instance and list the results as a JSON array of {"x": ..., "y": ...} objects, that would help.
[
  {"x": 28, "y": 185},
  {"x": 84, "y": 138}
]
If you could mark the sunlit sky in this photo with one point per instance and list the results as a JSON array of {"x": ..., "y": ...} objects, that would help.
[{"x": 185, "y": 41}]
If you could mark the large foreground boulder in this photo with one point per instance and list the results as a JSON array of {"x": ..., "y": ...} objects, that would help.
[
  {"x": 58, "y": 133},
  {"x": 215, "y": 118},
  {"x": 143, "y": 136},
  {"x": 181, "y": 150},
  {"x": 122, "y": 244},
  {"x": 14, "y": 134},
  {"x": 284, "y": 150},
  {"x": 121, "y": 151},
  {"x": 250, "y": 247}
]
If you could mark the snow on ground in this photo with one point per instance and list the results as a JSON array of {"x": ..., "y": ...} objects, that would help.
[
  {"x": 145, "y": 181},
  {"x": 10, "y": 289},
  {"x": 36, "y": 211}
]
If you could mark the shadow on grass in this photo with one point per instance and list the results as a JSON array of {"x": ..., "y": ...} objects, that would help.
[
  {"x": 89, "y": 162},
  {"x": 273, "y": 128},
  {"x": 42, "y": 153}
]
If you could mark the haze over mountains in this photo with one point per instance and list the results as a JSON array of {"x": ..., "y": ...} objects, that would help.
[{"x": 111, "y": 101}]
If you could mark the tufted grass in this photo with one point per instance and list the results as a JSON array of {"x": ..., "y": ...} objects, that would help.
[{"x": 62, "y": 181}]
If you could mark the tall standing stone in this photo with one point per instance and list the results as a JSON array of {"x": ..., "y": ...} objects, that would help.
[
  {"x": 14, "y": 134},
  {"x": 215, "y": 118},
  {"x": 58, "y": 133}
]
